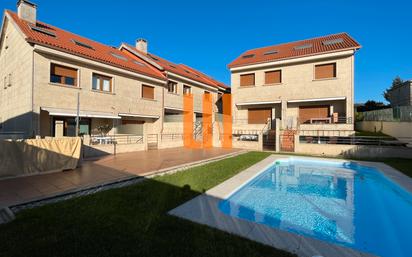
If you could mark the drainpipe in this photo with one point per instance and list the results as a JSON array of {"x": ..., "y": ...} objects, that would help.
[
  {"x": 32, "y": 97},
  {"x": 163, "y": 104}
]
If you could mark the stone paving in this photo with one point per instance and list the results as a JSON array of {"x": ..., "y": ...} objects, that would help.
[{"x": 15, "y": 191}]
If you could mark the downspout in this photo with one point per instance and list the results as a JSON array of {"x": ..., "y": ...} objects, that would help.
[
  {"x": 32, "y": 97},
  {"x": 163, "y": 105}
]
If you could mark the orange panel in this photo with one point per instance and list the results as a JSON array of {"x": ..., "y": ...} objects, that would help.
[
  {"x": 227, "y": 121},
  {"x": 207, "y": 121}
]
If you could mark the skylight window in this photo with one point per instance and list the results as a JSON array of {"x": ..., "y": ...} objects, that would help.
[
  {"x": 187, "y": 71},
  {"x": 139, "y": 63},
  {"x": 151, "y": 56},
  {"x": 248, "y": 56},
  {"x": 171, "y": 65},
  {"x": 82, "y": 44},
  {"x": 41, "y": 30},
  {"x": 332, "y": 41},
  {"x": 118, "y": 56},
  {"x": 301, "y": 47},
  {"x": 271, "y": 52}
]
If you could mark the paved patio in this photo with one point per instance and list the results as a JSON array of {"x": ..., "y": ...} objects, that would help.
[{"x": 15, "y": 191}]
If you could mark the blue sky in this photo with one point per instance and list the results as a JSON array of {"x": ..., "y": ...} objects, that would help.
[{"x": 207, "y": 35}]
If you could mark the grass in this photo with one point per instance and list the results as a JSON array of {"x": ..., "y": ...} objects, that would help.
[
  {"x": 370, "y": 134},
  {"x": 132, "y": 221}
]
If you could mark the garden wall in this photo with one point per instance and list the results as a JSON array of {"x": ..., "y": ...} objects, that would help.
[{"x": 396, "y": 129}]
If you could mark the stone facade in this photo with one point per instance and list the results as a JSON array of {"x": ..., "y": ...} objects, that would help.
[{"x": 298, "y": 87}]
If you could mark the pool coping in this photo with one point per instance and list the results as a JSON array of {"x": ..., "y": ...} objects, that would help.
[{"x": 203, "y": 209}]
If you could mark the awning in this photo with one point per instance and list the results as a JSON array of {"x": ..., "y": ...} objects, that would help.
[
  {"x": 139, "y": 115},
  {"x": 318, "y": 99},
  {"x": 259, "y": 103},
  {"x": 83, "y": 114}
]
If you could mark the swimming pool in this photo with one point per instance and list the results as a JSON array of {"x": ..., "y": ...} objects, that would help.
[{"x": 338, "y": 202}]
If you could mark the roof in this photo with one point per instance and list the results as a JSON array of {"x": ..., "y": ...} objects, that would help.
[
  {"x": 179, "y": 69},
  {"x": 308, "y": 47},
  {"x": 53, "y": 37}
]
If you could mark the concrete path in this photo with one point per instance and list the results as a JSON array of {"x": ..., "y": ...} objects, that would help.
[{"x": 20, "y": 190}]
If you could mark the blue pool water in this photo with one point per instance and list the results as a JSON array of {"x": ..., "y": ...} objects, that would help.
[{"x": 338, "y": 202}]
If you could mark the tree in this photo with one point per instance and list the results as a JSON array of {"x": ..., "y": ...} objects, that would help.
[{"x": 396, "y": 82}]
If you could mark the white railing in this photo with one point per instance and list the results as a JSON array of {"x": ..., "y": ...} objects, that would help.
[{"x": 116, "y": 139}]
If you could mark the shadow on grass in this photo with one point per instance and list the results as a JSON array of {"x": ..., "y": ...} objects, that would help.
[{"x": 132, "y": 221}]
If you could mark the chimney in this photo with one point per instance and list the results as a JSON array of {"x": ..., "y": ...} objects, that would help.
[
  {"x": 141, "y": 45},
  {"x": 26, "y": 11}
]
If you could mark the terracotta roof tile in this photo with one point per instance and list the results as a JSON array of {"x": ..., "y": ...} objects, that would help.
[
  {"x": 65, "y": 41},
  {"x": 180, "y": 69},
  {"x": 308, "y": 47}
]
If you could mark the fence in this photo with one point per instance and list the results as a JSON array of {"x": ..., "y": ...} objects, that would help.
[
  {"x": 356, "y": 140},
  {"x": 401, "y": 113}
]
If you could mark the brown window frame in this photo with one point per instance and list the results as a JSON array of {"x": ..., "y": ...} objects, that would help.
[
  {"x": 54, "y": 77},
  {"x": 317, "y": 77},
  {"x": 275, "y": 82},
  {"x": 187, "y": 87},
  {"x": 174, "y": 84},
  {"x": 153, "y": 94},
  {"x": 102, "y": 78},
  {"x": 242, "y": 84}
]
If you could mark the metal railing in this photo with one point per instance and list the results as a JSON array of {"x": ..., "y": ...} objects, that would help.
[
  {"x": 400, "y": 113},
  {"x": 116, "y": 139},
  {"x": 171, "y": 137},
  {"x": 356, "y": 140},
  {"x": 328, "y": 121}
]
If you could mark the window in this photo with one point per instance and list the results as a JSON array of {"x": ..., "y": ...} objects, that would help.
[
  {"x": 271, "y": 52},
  {"x": 172, "y": 87},
  {"x": 332, "y": 41},
  {"x": 301, "y": 47},
  {"x": 63, "y": 75},
  {"x": 102, "y": 83},
  {"x": 259, "y": 116},
  {"x": 187, "y": 90},
  {"x": 147, "y": 92},
  {"x": 247, "y": 80},
  {"x": 207, "y": 93},
  {"x": 82, "y": 44},
  {"x": 43, "y": 31},
  {"x": 273, "y": 77},
  {"x": 118, "y": 56},
  {"x": 325, "y": 71},
  {"x": 306, "y": 113},
  {"x": 248, "y": 56}
]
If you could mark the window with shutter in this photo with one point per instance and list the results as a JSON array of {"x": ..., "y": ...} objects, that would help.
[
  {"x": 325, "y": 71},
  {"x": 147, "y": 92},
  {"x": 273, "y": 77},
  {"x": 247, "y": 80},
  {"x": 63, "y": 75},
  {"x": 259, "y": 116}
]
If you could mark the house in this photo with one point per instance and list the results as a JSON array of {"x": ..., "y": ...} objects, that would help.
[
  {"x": 48, "y": 72},
  {"x": 307, "y": 85},
  {"x": 401, "y": 95}
]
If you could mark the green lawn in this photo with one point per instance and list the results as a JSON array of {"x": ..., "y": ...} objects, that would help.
[
  {"x": 132, "y": 221},
  {"x": 370, "y": 134}
]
